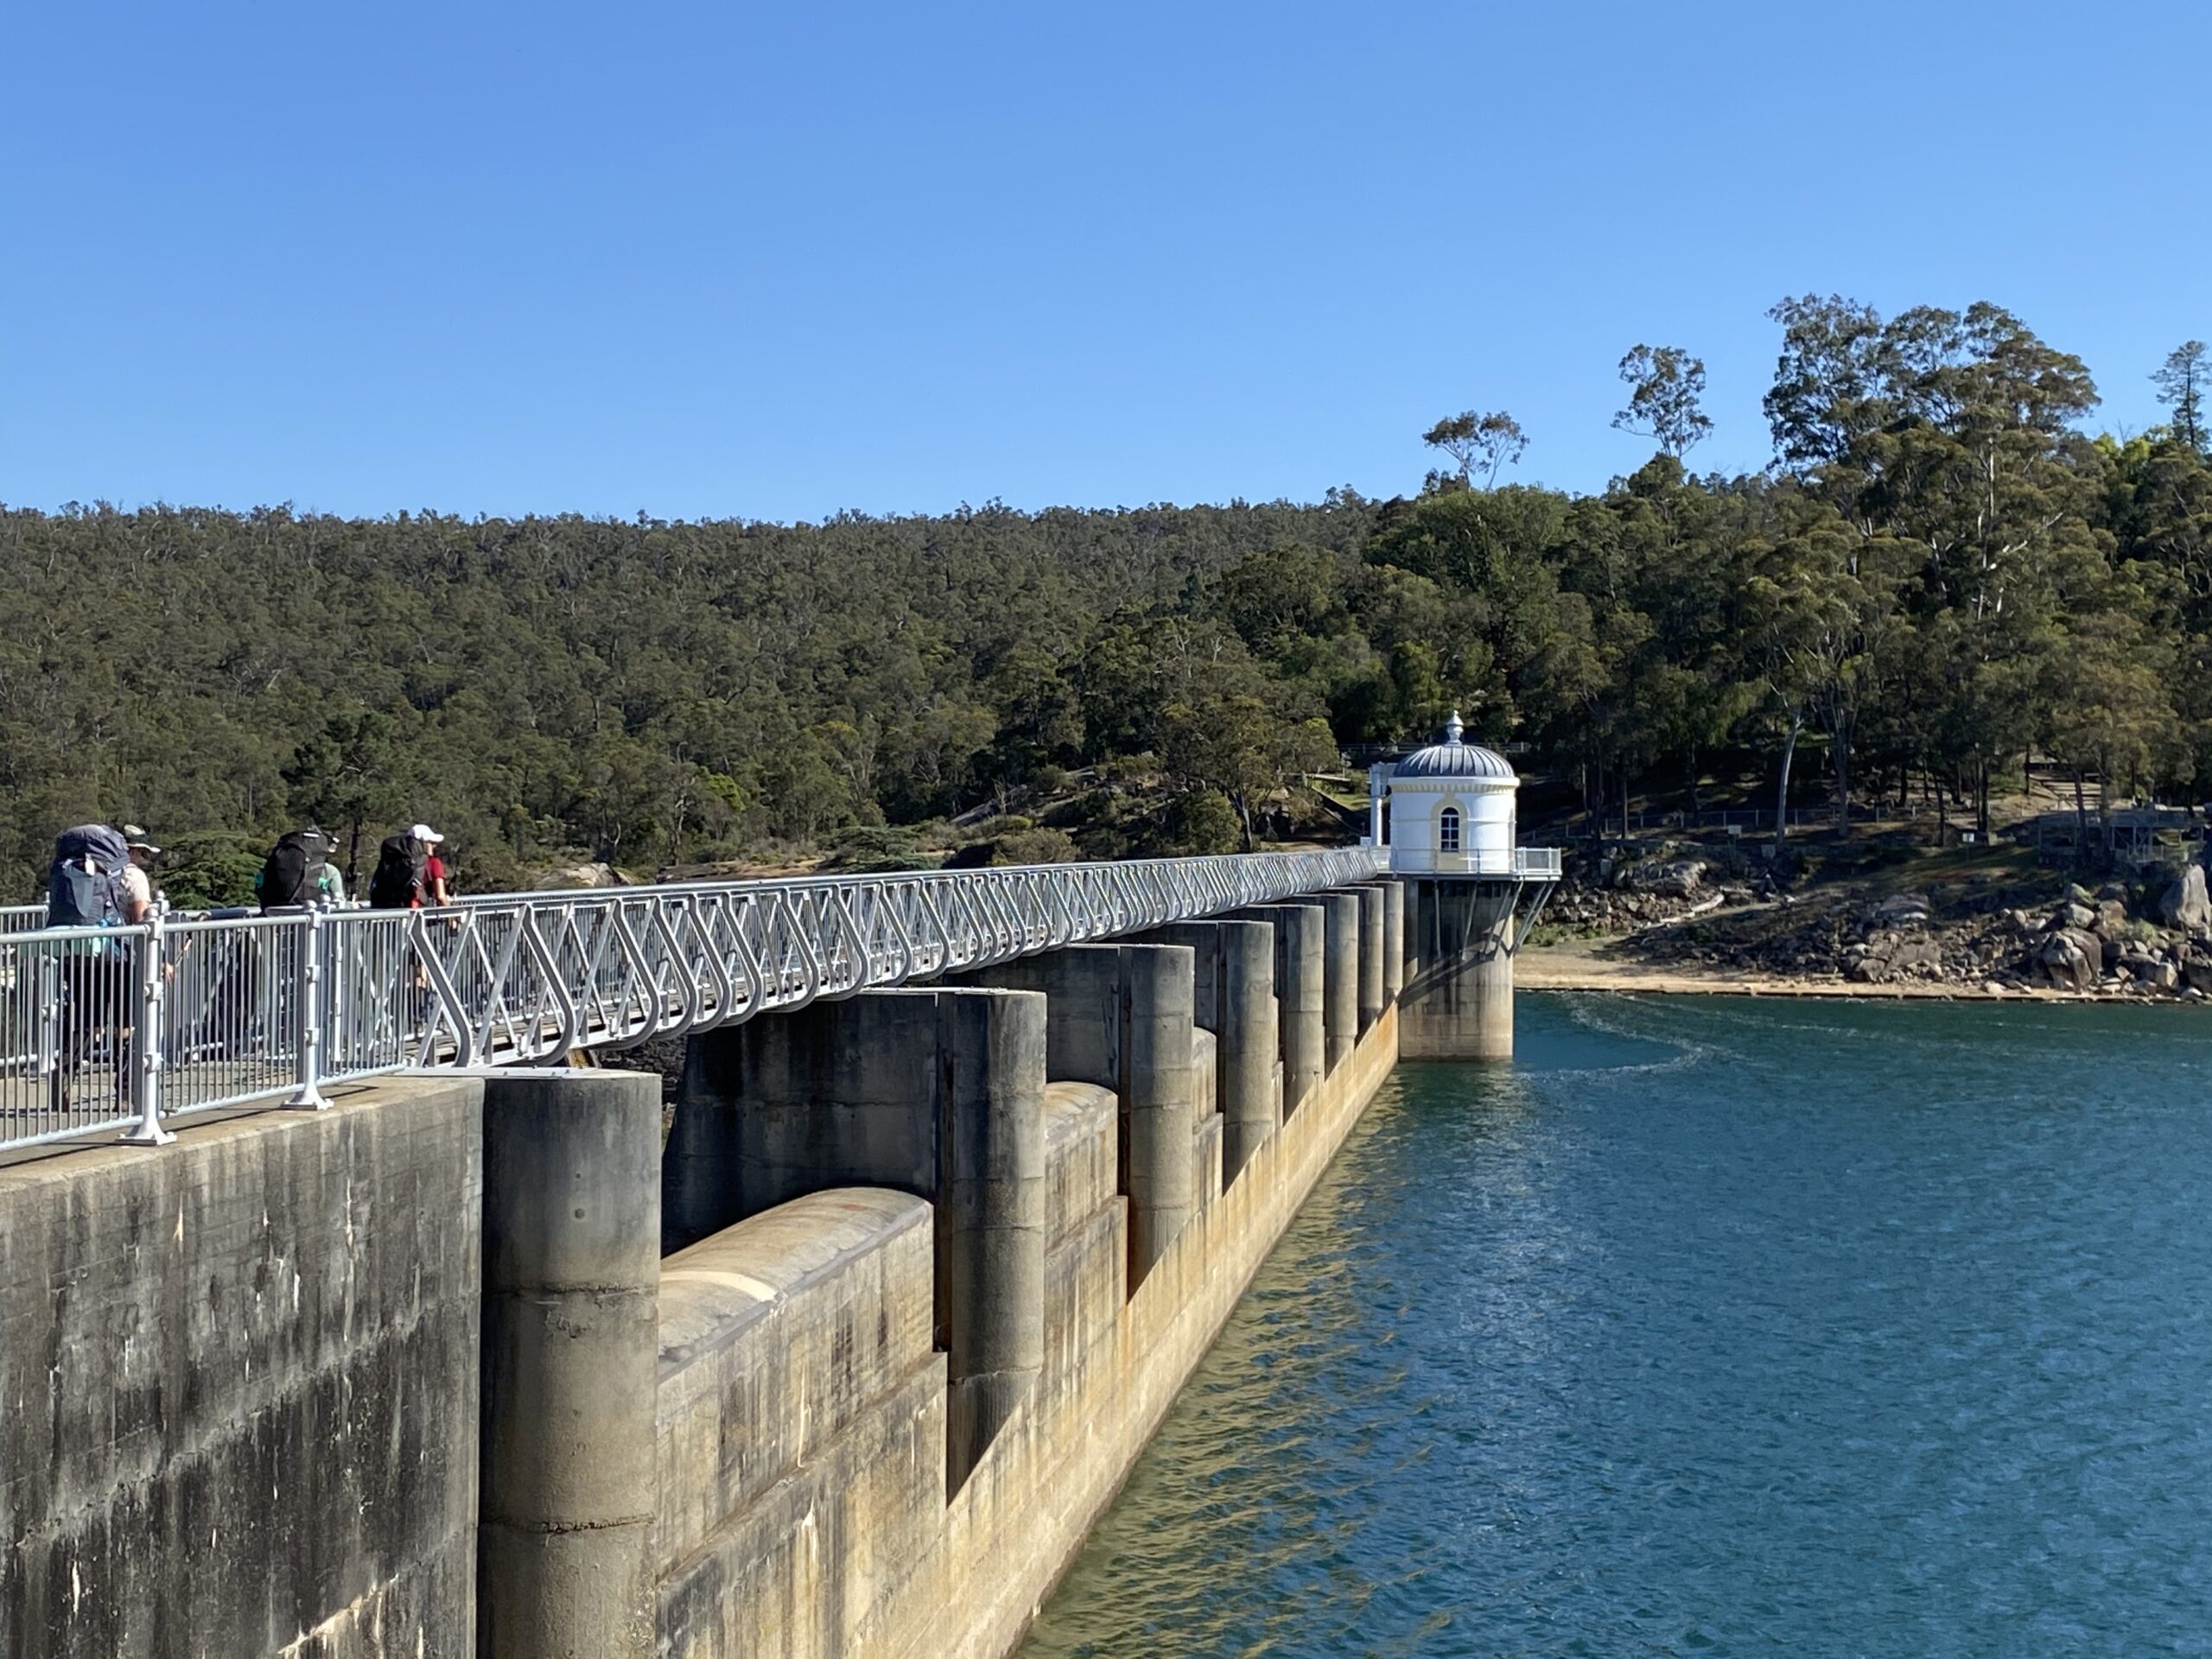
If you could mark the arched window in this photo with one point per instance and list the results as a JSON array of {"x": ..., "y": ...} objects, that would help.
[{"x": 1447, "y": 830}]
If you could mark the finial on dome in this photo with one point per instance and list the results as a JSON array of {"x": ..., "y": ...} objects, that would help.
[{"x": 1453, "y": 726}]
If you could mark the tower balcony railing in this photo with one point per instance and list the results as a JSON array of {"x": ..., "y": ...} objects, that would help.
[{"x": 1499, "y": 863}]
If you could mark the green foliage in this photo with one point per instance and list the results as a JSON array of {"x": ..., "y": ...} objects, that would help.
[
  {"x": 1940, "y": 576},
  {"x": 1035, "y": 846},
  {"x": 1666, "y": 395},
  {"x": 550, "y": 690},
  {"x": 210, "y": 869},
  {"x": 1488, "y": 441},
  {"x": 1202, "y": 820},
  {"x": 868, "y": 849}
]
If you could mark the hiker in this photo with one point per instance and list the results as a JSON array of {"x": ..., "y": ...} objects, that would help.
[
  {"x": 85, "y": 885},
  {"x": 137, "y": 878},
  {"x": 409, "y": 873},
  {"x": 90, "y": 885},
  {"x": 299, "y": 872},
  {"x": 436, "y": 889}
]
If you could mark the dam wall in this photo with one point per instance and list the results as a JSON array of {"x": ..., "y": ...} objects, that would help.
[
  {"x": 240, "y": 1386},
  {"x": 960, "y": 1568},
  {"x": 1016, "y": 1525},
  {"x": 476, "y": 1365}
]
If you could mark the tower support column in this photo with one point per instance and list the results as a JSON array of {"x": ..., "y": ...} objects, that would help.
[{"x": 1458, "y": 1006}]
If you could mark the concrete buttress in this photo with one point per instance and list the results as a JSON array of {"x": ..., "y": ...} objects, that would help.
[
  {"x": 570, "y": 1345},
  {"x": 1373, "y": 980},
  {"x": 1234, "y": 999},
  {"x": 1300, "y": 978},
  {"x": 939, "y": 1093},
  {"x": 1340, "y": 1005},
  {"x": 1121, "y": 1016},
  {"x": 1393, "y": 937}
]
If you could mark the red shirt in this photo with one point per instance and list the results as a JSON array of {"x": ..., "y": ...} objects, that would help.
[{"x": 434, "y": 871}]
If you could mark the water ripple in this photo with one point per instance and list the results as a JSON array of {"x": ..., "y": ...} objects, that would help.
[{"x": 1711, "y": 1327}]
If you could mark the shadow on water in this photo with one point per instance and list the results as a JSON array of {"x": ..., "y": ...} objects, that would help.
[{"x": 1712, "y": 1326}]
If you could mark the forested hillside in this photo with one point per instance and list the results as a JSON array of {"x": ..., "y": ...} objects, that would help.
[{"x": 1941, "y": 573}]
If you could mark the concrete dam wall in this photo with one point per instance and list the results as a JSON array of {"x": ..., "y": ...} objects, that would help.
[{"x": 846, "y": 1364}]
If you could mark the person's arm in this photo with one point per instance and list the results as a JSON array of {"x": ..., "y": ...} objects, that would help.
[{"x": 137, "y": 896}]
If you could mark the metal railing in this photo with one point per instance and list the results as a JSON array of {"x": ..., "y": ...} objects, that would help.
[
  {"x": 74, "y": 1004},
  {"x": 1516, "y": 863},
  {"x": 125, "y": 1027},
  {"x": 1758, "y": 819}
]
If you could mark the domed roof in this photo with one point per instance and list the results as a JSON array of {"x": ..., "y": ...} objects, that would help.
[{"x": 1449, "y": 757}]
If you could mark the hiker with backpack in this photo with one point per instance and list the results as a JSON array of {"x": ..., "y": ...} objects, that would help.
[
  {"x": 85, "y": 884},
  {"x": 94, "y": 882},
  {"x": 299, "y": 872},
  {"x": 409, "y": 873}
]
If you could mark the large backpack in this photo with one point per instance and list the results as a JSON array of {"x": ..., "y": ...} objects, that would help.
[
  {"x": 402, "y": 865},
  {"x": 83, "y": 888},
  {"x": 294, "y": 872}
]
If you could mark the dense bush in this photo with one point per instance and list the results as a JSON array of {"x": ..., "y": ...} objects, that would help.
[{"x": 1941, "y": 574}]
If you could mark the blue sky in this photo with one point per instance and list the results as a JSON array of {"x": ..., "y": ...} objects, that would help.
[{"x": 773, "y": 261}]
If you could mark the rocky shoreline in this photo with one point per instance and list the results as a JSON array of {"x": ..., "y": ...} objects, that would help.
[{"x": 1668, "y": 921}]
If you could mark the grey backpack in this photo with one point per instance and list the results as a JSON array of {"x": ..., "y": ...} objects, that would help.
[{"x": 83, "y": 887}]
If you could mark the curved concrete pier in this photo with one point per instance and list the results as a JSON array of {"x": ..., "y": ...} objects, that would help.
[
  {"x": 571, "y": 1338},
  {"x": 1234, "y": 997},
  {"x": 1340, "y": 1008},
  {"x": 1301, "y": 994}
]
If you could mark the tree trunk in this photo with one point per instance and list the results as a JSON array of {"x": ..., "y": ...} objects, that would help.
[
  {"x": 1624, "y": 798},
  {"x": 1781, "y": 787},
  {"x": 1840, "y": 743}
]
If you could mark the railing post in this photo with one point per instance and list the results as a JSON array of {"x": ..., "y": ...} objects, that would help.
[
  {"x": 49, "y": 1042},
  {"x": 307, "y": 1019},
  {"x": 145, "y": 1079}
]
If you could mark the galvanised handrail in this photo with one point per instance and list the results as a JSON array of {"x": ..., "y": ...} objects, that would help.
[
  {"x": 1518, "y": 864},
  {"x": 281, "y": 1006}
]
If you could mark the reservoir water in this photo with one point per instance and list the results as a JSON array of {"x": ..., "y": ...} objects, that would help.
[{"x": 1713, "y": 1326}]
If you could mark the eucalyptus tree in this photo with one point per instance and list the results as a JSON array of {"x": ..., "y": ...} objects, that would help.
[
  {"x": 1488, "y": 442},
  {"x": 2183, "y": 380},
  {"x": 1666, "y": 398},
  {"x": 1951, "y": 431}
]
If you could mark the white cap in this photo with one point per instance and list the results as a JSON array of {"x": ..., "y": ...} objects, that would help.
[{"x": 423, "y": 832}]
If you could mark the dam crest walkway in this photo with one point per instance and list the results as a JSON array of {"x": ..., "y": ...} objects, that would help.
[{"x": 122, "y": 1028}]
